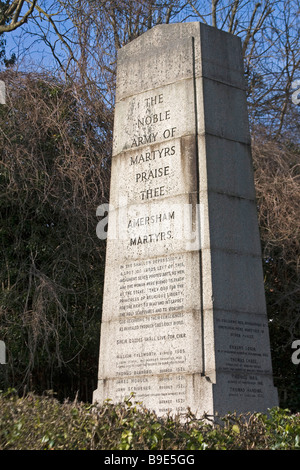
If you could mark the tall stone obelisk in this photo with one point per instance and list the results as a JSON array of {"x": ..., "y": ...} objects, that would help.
[{"x": 184, "y": 317}]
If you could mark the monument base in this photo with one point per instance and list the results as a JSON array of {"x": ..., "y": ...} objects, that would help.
[
  {"x": 233, "y": 393},
  {"x": 162, "y": 394}
]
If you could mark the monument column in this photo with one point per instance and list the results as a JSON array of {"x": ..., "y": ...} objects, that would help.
[{"x": 184, "y": 320}]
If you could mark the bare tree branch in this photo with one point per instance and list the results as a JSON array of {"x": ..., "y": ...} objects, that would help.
[
  {"x": 10, "y": 18},
  {"x": 233, "y": 15},
  {"x": 214, "y": 12}
]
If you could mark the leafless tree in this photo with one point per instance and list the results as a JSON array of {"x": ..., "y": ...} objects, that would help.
[
  {"x": 54, "y": 172},
  {"x": 83, "y": 38},
  {"x": 12, "y": 14}
]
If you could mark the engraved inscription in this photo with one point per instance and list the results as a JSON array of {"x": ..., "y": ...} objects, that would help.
[
  {"x": 167, "y": 392},
  {"x": 240, "y": 349},
  {"x": 152, "y": 286},
  {"x": 149, "y": 119}
]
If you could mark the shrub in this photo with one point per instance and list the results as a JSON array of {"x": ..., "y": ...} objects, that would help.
[{"x": 43, "y": 423}]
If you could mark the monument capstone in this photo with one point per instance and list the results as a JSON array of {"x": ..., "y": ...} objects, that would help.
[{"x": 184, "y": 319}]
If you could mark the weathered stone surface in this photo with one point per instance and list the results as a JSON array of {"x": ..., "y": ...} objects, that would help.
[
  {"x": 234, "y": 281},
  {"x": 224, "y": 113},
  {"x": 232, "y": 225},
  {"x": 2, "y": 353},
  {"x": 161, "y": 284},
  {"x": 146, "y": 72},
  {"x": 171, "y": 164},
  {"x": 2, "y": 93},
  {"x": 152, "y": 117},
  {"x": 184, "y": 317},
  {"x": 229, "y": 158}
]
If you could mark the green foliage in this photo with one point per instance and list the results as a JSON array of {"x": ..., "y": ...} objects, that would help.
[
  {"x": 284, "y": 429},
  {"x": 43, "y": 423}
]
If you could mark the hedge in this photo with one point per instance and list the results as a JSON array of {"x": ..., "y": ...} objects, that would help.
[{"x": 43, "y": 423}]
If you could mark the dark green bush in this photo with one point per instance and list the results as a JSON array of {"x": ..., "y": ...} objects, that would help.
[{"x": 43, "y": 423}]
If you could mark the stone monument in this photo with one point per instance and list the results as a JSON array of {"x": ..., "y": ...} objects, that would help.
[
  {"x": 2, "y": 353},
  {"x": 2, "y": 92},
  {"x": 184, "y": 318},
  {"x": 3, "y": 366},
  {"x": 2, "y": 344}
]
